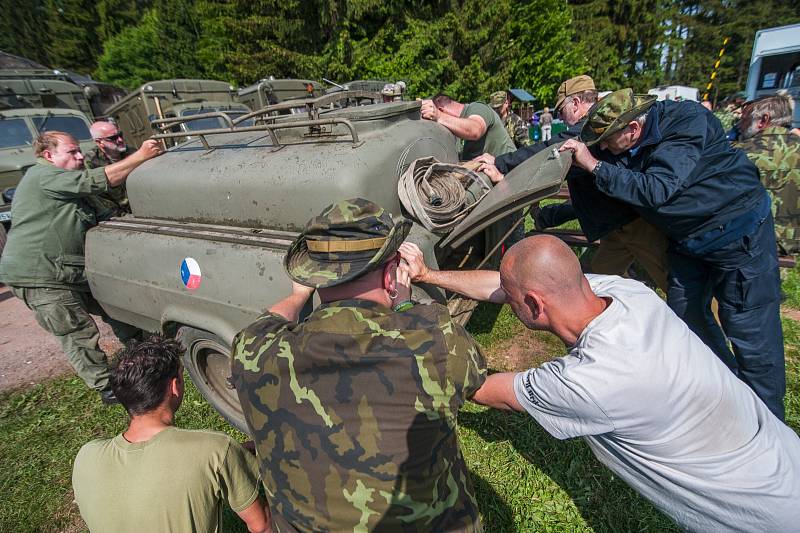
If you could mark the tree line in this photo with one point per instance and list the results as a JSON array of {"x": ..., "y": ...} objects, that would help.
[{"x": 468, "y": 48}]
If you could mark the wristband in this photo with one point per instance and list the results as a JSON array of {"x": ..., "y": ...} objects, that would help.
[
  {"x": 403, "y": 306},
  {"x": 596, "y": 168}
]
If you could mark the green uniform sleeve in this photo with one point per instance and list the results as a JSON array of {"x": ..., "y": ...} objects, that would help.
[
  {"x": 483, "y": 111},
  {"x": 239, "y": 477},
  {"x": 251, "y": 343},
  {"x": 468, "y": 364},
  {"x": 67, "y": 184}
]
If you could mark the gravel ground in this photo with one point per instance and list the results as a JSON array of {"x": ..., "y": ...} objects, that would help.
[{"x": 28, "y": 354}]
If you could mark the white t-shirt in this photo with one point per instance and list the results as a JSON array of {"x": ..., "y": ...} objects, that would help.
[{"x": 660, "y": 410}]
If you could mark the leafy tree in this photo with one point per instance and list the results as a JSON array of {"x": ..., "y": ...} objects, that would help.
[
  {"x": 116, "y": 15},
  {"x": 21, "y": 29},
  {"x": 73, "y": 44},
  {"x": 130, "y": 58}
]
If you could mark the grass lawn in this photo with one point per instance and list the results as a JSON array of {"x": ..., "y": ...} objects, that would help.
[{"x": 525, "y": 480}]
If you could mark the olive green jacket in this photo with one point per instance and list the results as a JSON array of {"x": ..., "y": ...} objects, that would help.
[{"x": 49, "y": 220}]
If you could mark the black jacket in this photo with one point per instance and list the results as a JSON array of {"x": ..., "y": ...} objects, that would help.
[
  {"x": 683, "y": 177},
  {"x": 597, "y": 213}
]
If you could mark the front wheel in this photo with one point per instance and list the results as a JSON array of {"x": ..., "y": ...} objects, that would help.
[{"x": 208, "y": 360}]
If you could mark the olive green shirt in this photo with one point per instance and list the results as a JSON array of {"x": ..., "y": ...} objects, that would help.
[
  {"x": 50, "y": 216},
  {"x": 495, "y": 141},
  {"x": 175, "y": 481}
]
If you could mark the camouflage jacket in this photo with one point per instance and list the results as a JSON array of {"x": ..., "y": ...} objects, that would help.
[
  {"x": 353, "y": 412},
  {"x": 517, "y": 130},
  {"x": 776, "y": 153},
  {"x": 114, "y": 203}
]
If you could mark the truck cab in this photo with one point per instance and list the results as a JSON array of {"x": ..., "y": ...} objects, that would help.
[
  {"x": 271, "y": 91},
  {"x": 173, "y": 100}
]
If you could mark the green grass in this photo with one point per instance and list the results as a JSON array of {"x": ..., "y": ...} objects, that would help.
[{"x": 524, "y": 479}]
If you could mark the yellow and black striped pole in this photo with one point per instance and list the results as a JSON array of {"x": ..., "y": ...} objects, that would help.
[{"x": 716, "y": 66}]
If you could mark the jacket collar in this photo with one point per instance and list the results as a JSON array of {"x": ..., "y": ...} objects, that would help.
[{"x": 651, "y": 134}]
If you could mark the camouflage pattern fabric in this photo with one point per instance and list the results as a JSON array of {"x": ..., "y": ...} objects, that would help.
[
  {"x": 517, "y": 130},
  {"x": 115, "y": 202},
  {"x": 348, "y": 239},
  {"x": 612, "y": 113},
  {"x": 776, "y": 153},
  {"x": 726, "y": 117},
  {"x": 353, "y": 412}
]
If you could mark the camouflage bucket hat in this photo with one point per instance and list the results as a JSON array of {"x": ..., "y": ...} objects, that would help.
[
  {"x": 497, "y": 99},
  {"x": 346, "y": 240},
  {"x": 613, "y": 113}
]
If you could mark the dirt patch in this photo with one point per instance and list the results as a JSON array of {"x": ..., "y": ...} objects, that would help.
[
  {"x": 527, "y": 349},
  {"x": 790, "y": 312},
  {"x": 28, "y": 354}
]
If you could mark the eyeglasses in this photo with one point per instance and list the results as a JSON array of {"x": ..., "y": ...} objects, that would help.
[{"x": 111, "y": 138}]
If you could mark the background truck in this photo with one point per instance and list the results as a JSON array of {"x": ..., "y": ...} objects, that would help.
[
  {"x": 175, "y": 99},
  {"x": 675, "y": 92},
  {"x": 202, "y": 253},
  {"x": 775, "y": 65},
  {"x": 271, "y": 91}
]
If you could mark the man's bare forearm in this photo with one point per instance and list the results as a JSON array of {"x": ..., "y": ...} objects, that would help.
[
  {"x": 463, "y": 128},
  {"x": 482, "y": 285}
]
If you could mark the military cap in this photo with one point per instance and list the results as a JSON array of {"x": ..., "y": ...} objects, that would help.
[
  {"x": 348, "y": 239},
  {"x": 575, "y": 85},
  {"x": 613, "y": 113},
  {"x": 497, "y": 99}
]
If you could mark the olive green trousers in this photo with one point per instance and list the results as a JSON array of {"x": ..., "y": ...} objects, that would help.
[
  {"x": 638, "y": 241},
  {"x": 66, "y": 314}
]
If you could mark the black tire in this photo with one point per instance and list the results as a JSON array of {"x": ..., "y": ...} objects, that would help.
[{"x": 208, "y": 360}]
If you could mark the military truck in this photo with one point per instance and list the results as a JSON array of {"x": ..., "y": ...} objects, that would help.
[
  {"x": 166, "y": 100},
  {"x": 18, "y": 129},
  {"x": 43, "y": 93},
  {"x": 271, "y": 91},
  {"x": 202, "y": 254}
]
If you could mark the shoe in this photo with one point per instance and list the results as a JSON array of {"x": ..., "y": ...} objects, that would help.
[
  {"x": 108, "y": 397},
  {"x": 535, "y": 212}
]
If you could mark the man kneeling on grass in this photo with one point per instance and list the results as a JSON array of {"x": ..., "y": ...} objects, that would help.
[
  {"x": 154, "y": 476},
  {"x": 653, "y": 402}
]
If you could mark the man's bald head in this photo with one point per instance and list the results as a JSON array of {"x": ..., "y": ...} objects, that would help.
[
  {"x": 101, "y": 129},
  {"x": 543, "y": 263}
]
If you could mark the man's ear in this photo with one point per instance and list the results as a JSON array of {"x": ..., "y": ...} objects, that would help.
[
  {"x": 763, "y": 121},
  {"x": 389, "y": 276},
  {"x": 534, "y": 303},
  {"x": 175, "y": 386}
]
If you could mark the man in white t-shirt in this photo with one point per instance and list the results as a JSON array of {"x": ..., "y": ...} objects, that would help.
[{"x": 653, "y": 402}]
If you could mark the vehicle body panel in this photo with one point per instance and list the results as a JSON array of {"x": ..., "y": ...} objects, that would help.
[{"x": 271, "y": 91}]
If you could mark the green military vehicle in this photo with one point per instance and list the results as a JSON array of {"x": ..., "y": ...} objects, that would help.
[
  {"x": 202, "y": 254},
  {"x": 160, "y": 102},
  {"x": 271, "y": 91},
  {"x": 41, "y": 93},
  {"x": 18, "y": 129}
]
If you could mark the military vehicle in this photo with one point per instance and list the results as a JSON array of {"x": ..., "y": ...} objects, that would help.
[
  {"x": 375, "y": 86},
  {"x": 775, "y": 65},
  {"x": 42, "y": 93},
  {"x": 271, "y": 91},
  {"x": 166, "y": 100},
  {"x": 202, "y": 253},
  {"x": 100, "y": 96},
  {"x": 18, "y": 129}
]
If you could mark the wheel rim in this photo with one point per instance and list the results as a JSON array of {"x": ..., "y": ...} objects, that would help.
[{"x": 213, "y": 364}]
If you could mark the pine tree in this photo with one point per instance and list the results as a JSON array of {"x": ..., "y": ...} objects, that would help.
[{"x": 73, "y": 42}]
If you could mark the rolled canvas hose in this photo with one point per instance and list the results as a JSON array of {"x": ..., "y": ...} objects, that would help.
[{"x": 439, "y": 195}]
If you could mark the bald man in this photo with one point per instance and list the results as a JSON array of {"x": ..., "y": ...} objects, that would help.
[
  {"x": 654, "y": 403},
  {"x": 110, "y": 148}
]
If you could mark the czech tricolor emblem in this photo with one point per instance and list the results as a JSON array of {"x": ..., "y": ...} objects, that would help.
[{"x": 190, "y": 273}]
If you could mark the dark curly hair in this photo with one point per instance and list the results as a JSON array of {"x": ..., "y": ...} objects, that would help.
[{"x": 141, "y": 372}]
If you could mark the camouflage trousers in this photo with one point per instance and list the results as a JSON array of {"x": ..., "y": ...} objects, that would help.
[{"x": 66, "y": 314}]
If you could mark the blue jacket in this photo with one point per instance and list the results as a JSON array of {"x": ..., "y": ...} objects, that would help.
[
  {"x": 597, "y": 213},
  {"x": 683, "y": 176}
]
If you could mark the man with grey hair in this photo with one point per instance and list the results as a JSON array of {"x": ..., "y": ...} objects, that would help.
[
  {"x": 110, "y": 148},
  {"x": 677, "y": 170},
  {"x": 765, "y": 137}
]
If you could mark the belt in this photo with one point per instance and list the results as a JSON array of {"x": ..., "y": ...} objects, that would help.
[{"x": 726, "y": 233}]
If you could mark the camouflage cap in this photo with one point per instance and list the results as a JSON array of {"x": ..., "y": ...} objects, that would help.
[
  {"x": 497, "y": 99},
  {"x": 575, "y": 85},
  {"x": 613, "y": 113},
  {"x": 348, "y": 239}
]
